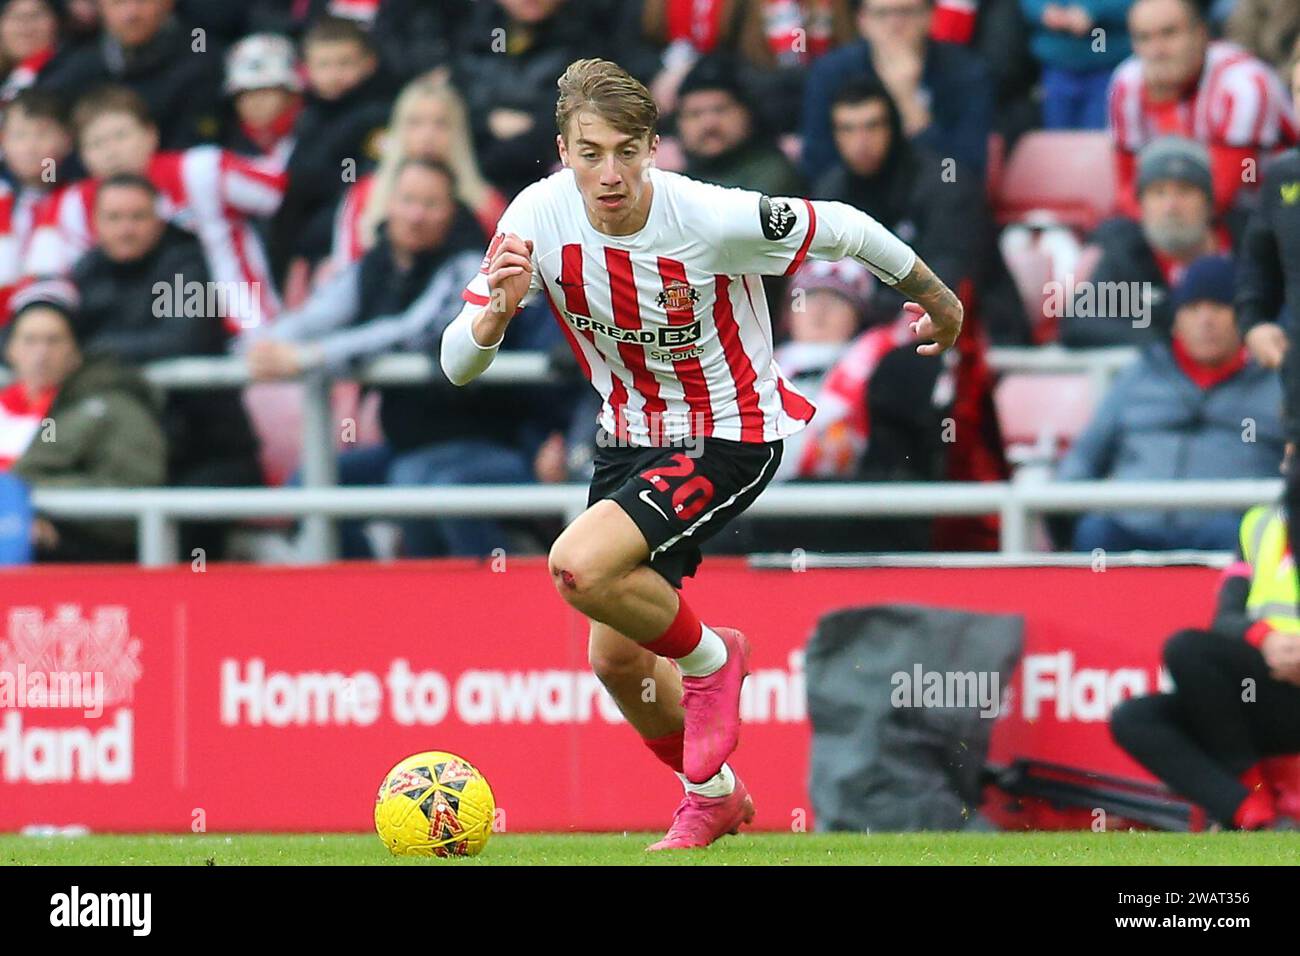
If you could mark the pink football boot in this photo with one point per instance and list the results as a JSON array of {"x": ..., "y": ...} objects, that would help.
[
  {"x": 701, "y": 820},
  {"x": 712, "y": 706}
]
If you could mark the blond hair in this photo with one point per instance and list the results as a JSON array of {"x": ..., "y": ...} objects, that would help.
[
  {"x": 471, "y": 188},
  {"x": 609, "y": 91}
]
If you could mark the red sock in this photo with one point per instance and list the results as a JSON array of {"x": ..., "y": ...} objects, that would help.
[
  {"x": 1258, "y": 809},
  {"x": 668, "y": 748},
  {"x": 682, "y": 637}
]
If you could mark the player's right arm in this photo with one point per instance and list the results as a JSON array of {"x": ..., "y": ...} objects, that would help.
[{"x": 471, "y": 341}]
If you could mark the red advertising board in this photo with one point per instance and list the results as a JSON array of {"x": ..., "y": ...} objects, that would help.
[{"x": 252, "y": 698}]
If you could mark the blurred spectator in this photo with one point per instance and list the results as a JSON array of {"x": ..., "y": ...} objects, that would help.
[
  {"x": 428, "y": 122},
  {"x": 943, "y": 92},
  {"x": 74, "y": 422},
  {"x": 933, "y": 204},
  {"x": 716, "y": 124},
  {"x": 1002, "y": 39},
  {"x": 336, "y": 138},
  {"x": 262, "y": 81},
  {"x": 1180, "y": 82},
  {"x": 1193, "y": 408},
  {"x": 1145, "y": 260},
  {"x": 29, "y": 43},
  {"x": 511, "y": 53},
  {"x": 35, "y": 142},
  {"x": 774, "y": 41},
  {"x": 145, "y": 296},
  {"x": 145, "y": 47},
  {"x": 400, "y": 295},
  {"x": 1267, "y": 28},
  {"x": 1078, "y": 44},
  {"x": 206, "y": 190}
]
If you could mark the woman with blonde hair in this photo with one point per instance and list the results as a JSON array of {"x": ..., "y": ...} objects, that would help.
[{"x": 429, "y": 122}]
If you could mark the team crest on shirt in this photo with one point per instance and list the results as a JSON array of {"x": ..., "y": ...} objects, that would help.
[{"x": 678, "y": 296}]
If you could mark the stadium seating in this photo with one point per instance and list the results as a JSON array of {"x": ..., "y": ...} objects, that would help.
[{"x": 1070, "y": 176}]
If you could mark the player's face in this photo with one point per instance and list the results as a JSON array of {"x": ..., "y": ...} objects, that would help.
[
  {"x": 862, "y": 135},
  {"x": 610, "y": 167},
  {"x": 1208, "y": 331},
  {"x": 421, "y": 210},
  {"x": 117, "y": 143},
  {"x": 425, "y": 129},
  {"x": 27, "y": 27},
  {"x": 1175, "y": 216},
  {"x": 711, "y": 122},
  {"x": 1168, "y": 40},
  {"x": 127, "y": 224},
  {"x": 823, "y": 316},
  {"x": 41, "y": 349},
  {"x": 30, "y": 144}
]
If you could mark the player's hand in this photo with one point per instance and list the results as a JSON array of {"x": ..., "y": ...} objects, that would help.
[
  {"x": 1282, "y": 654},
  {"x": 943, "y": 329},
  {"x": 1267, "y": 344},
  {"x": 509, "y": 274}
]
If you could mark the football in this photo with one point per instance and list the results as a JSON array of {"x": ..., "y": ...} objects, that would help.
[{"x": 434, "y": 804}]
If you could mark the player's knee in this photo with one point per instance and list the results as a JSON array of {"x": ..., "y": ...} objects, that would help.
[{"x": 577, "y": 572}]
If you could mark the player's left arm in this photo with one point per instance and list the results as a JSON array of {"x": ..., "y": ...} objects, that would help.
[{"x": 773, "y": 235}]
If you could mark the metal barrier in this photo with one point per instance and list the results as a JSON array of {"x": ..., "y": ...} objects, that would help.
[
  {"x": 319, "y": 501},
  {"x": 1017, "y": 503}
]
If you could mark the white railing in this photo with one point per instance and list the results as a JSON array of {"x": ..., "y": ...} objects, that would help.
[
  {"x": 319, "y": 501},
  {"x": 1017, "y": 503}
]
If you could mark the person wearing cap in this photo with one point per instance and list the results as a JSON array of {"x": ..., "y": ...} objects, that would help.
[
  {"x": 265, "y": 90},
  {"x": 1147, "y": 258},
  {"x": 1193, "y": 407},
  {"x": 1179, "y": 81},
  {"x": 69, "y": 420},
  {"x": 719, "y": 134}
]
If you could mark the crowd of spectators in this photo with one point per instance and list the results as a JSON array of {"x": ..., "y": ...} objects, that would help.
[{"x": 334, "y": 169}]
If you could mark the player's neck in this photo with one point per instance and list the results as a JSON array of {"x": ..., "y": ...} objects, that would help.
[{"x": 626, "y": 223}]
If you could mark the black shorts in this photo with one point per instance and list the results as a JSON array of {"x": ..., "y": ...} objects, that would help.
[{"x": 682, "y": 494}]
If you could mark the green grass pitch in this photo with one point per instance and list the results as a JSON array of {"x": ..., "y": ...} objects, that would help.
[{"x": 1025, "y": 849}]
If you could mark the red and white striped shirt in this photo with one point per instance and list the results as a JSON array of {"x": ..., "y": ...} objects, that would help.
[
  {"x": 1237, "y": 103},
  {"x": 670, "y": 324},
  {"x": 19, "y": 211},
  {"x": 21, "y": 416},
  {"x": 206, "y": 190}
]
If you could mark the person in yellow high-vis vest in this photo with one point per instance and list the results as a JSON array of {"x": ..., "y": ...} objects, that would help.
[{"x": 1236, "y": 700}]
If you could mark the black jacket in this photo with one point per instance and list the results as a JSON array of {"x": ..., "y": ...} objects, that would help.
[
  {"x": 1268, "y": 271},
  {"x": 182, "y": 87},
  {"x": 328, "y": 133},
  {"x": 126, "y": 318},
  {"x": 940, "y": 210},
  {"x": 521, "y": 78},
  {"x": 1126, "y": 257}
]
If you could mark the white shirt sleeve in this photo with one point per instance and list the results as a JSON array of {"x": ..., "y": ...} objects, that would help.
[
  {"x": 772, "y": 235},
  {"x": 463, "y": 358}
]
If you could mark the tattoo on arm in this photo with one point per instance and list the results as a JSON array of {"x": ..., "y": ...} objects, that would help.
[{"x": 927, "y": 288}]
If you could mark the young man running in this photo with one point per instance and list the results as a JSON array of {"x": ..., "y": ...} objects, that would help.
[{"x": 654, "y": 278}]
